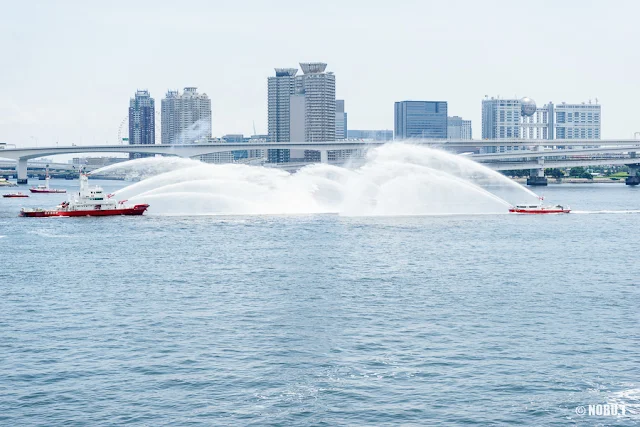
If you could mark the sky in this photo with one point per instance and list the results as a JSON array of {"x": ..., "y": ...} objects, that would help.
[{"x": 68, "y": 68}]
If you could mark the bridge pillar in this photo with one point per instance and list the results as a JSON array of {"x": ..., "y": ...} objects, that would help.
[
  {"x": 324, "y": 156},
  {"x": 21, "y": 170},
  {"x": 536, "y": 180},
  {"x": 633, "y": 178},
  {"x": 536, "y": 176}
]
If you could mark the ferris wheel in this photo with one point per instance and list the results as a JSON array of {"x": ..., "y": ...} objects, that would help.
[
  {"x": 123, "y": 129},
  {"x": 124, "y": 124}
]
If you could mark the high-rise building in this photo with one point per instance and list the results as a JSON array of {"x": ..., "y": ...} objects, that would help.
[
  {"x": 536, "y": 122},
  {"x": 141, "y": 121},
  {"x": 301, "y": 108},
  {"x": 281, "y": 87},
  {"x": 420, "y": 119},
  {"x": 341, "y": 135},
  {"x": 522, "y": 119},
  {"x": 501, "y": 118},
  {"x": 186, "y": 117},
  {"x": 458, "y": 128},
  {"x": 341, "y": 120},
  {"x": 319, "y": 89},
  {"x": 297, "y": 124},
  {"x": 575, "y": 121}
]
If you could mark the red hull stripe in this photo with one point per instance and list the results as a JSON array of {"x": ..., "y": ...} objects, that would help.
[
  {"x": 132, "y": 211},
  {"x": 540, "y": 211},
  {"x": 136, "y": 210}
]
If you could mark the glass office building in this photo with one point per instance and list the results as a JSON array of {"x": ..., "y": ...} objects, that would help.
[{"x": 420, "y": 119}]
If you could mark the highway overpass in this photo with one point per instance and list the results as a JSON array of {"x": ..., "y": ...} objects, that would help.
[{"x": 509, "y": 153}]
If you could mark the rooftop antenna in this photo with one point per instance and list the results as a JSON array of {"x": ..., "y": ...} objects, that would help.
[{"x": 254, "y": 128}]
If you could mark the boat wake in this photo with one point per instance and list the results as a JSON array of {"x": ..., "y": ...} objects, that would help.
[
  {"x": 630, "y": 399},
  {"x": 623, "y": 211},
  {"x": 395, "y": 179},
  {"x": 43, "y": 233}
]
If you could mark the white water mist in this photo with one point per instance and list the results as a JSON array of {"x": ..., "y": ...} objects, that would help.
[{"x": 395, "y": 179}]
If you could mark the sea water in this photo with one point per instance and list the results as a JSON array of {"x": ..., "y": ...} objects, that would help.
[{"x": 321, "y": 318}]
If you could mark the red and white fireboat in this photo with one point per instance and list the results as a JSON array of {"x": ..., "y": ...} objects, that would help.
[
  {"x": 44, "y": 188},
  {"x": 89, "y": 201},
  {"x": 539, "y": 209}
]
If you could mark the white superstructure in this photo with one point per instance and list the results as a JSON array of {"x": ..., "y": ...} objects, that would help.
[{"x": 89, "y": 197}]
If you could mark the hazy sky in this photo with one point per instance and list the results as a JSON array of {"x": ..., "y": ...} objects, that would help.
[{"x": 68, "y": 68}]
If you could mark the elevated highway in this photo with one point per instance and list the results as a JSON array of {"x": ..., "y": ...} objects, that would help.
[{"x": 509, "y": 153}]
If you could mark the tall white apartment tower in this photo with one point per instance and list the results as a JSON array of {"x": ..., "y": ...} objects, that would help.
[
  {"x": 186, "y": 117},
  {"x": 281, "y": 87},
  {"x": 319, "y": 89}
]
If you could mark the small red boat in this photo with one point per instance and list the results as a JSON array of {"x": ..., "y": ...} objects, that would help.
[
  {"x": 89, "y": 201},
  {"x": 539, "y": 209},
  {"x": 529, "y": 209},
  {"x": 18, "y": 194}
]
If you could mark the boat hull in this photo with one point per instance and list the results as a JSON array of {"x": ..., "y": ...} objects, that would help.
[
  {"x": 539, "y": 211},
  {"x": 14, "y": 195},
  {"x": 136, "y": 210},
  {"x": 35, "y": 190}
]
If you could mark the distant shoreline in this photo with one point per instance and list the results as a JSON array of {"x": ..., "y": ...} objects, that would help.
[{"x": 553, "y": 181}]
